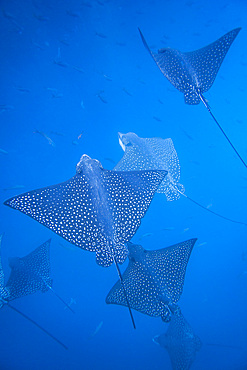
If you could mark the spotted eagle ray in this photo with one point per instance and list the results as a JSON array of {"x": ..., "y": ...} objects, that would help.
[
  {"x": 153, "y": 279},
  {"x": 180, "y": 342},
  {"x": 193, "y": 73},
  {"x": 6, "y": 294},
  {"x": 156, "y": 154},
  {"x": 97, "y": 210},
  {"x": 31, "y": 273}
]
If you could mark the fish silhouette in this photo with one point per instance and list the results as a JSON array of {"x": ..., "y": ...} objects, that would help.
[
  {"x": 193, "y": 73},
  {"x": 97, "y": 210},
  {"x": 180, "y": 342},
  {"x": 31, "y": 273},
  {"x": 16, "y": 289},
  {"x": 153, "y": 279},
  {"x": 157, "y": 154}
]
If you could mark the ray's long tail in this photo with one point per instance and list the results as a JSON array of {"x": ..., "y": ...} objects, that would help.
[
  {"x": 209, "y": 210},
  {"x": 125, "y": 293},
  {"x": 61, "y": 299},
  {"x": 221, "y": 129},
  {"x": 38, "y": 326}
]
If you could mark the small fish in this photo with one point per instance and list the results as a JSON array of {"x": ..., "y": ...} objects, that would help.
[
  {"x": 22, "y": 89},
  {"x": 209, "y": 205},
  {"x": 109, "y": 160},
  {"x": 57, "y": 133},
  {"x": 60, "y": 63},
  {"x": 201, "y": 244},
  {"x": 64, "y": 42},
  {"x": 99, "y": 34},
  {"x": 80, "y": 136},
  {"x": 186, "y": 229},
  {"x": 96, "y": 330},
  {"x": 50, "y": 141},
  {"x": 72, "y": 13},
  {"x": 186, "y": 134},
  {"x": 78, "y": 69},
  {"x": 126, "y": 91},
  {"x": 145, "y": 235},
  {"x": 5, "y": 107},
  {"x": 40, "y": 46},
  {"x": 2, "y": 151},
  {"x": 82, "y": 104},
  {"x": 72, "y": 301},
  {"x": 40, "y": 17},
  {"x": 54, "y": 92},
  {"x": 169, "y": 228},
  {"x": 107, "y": 77},
  {"x": 119, "y": 43},
  {"x": 157, "y": 119},
  {"x": 101, "y": 97},
  {"x": 87, "y": 4},
  {"x": 14, "y": 187}
]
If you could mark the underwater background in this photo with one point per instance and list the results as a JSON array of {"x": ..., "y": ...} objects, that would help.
[{"x": 73, "y": 74}]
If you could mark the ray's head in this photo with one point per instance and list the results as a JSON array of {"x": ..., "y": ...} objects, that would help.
[
  {"x": 127, "y": 139},
  {"x": 87, "y": 164},
  {"x": 136, "y": 252}
]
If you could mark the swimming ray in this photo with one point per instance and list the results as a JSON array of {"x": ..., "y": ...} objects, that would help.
[
  {"x": 31, "y": 273},
  {"x": 180, "y": 342},
  {"x": 5, "y": 298},
  {"x": 157, "y": 154},
  {"x": 152, "y": 154},
  {"x": 193, "y": 73},
  {"x": 97, "y": 210},
  {"x": 153, "y": 279}
]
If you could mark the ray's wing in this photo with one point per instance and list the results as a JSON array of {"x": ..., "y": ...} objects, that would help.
[
  {"x": 154, "y": 154},
  {"x": 168, "y": 266},
  {"x": 154, "y": 280},
  {"x": 180, "y": 342},
  {"x": 141, "y": 290},
  {"x": 30, "y": 273},
  {"x": 69, "y": 210},
  {"x": 207, "y": 61}
]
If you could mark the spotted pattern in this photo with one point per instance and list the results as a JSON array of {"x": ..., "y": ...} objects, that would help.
[
  {"x": 194, "y": 72},
  {"x": 30, "y": 273},
  {"x": 152, "y": 154},
  {"x": 97, "y": 210},
  {"x": 153, "y": 279},
  {"x": 180, "y": 342}
]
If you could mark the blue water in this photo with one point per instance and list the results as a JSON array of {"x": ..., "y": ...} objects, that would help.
[{"x": 119, "y": 88}]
